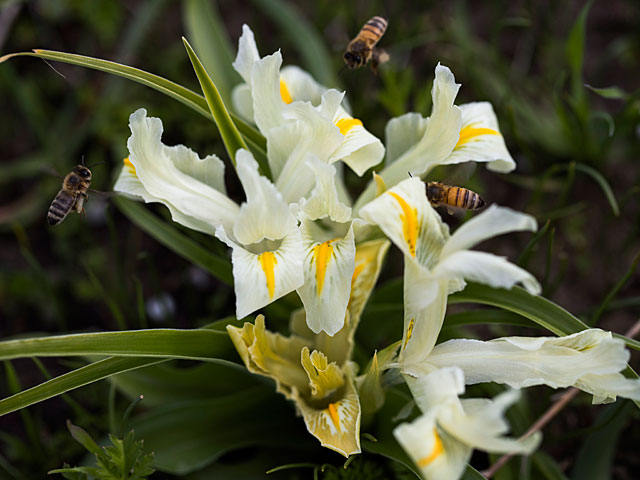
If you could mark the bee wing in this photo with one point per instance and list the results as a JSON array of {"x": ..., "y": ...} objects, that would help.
[
  {"x": 49, "y": 170},
  {"x": 459, "y": 174},
  {"x": 101, "y": 194}
]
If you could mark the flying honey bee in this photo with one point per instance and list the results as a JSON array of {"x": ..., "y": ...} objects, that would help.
[
  {"x": 363, "y": 47},
  {"x": 449, "y": 196},
  {"x": 71, "y": 196}
]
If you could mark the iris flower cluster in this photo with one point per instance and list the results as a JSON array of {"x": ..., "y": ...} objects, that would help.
[{"x": 299, "y": 230}]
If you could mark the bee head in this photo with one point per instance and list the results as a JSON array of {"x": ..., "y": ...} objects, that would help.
[
  {"x": 352, "y": 59},
  {"x": 83, "y": 171},
  {"x": 433, "y": 190}
]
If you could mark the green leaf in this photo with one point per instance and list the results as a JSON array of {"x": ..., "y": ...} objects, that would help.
[
  {"x": 83, "y": 438},
  {"x": 230, "y": 135},
  {"x": 304, "y": 36},
  {"x": 609, "y": 92},
  {"x": 595, "y": 458},
  {"x": 166, "y": 383},
  {"x": 77, "y": 378},
  {"x": 484, "y": 317},
  {"x": 203, "y": 24},
  {"x": 547, "y": 466},
  {"x": 472, "y": 474},
  {"x": 604, "y": 185},
  {"x": 178, "y": 92},
  {"x": 575, "y": 51},
  {"x": 538, "y": 309},
  {"x": 161, "y": 342},
  {"x": 186, "y": 436},
  {"x": 170, "y": 237}
]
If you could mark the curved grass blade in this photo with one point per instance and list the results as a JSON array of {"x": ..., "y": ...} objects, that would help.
[
  {"x": 604, "y": 185},
  {"x": 230, "y": 135},
  {"x": 202, "y": 21},
  {"x": 69, "y": 381},
  {"x": 310, "y": 45},
  {"x": 171, "y": 238},
  {"x": 538, "y": 309},
  {"x": 161, "y": 342},
  {"x": 177, "y": 92}
]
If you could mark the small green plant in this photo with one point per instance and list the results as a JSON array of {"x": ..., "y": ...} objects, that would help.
[{"x": 124, "y": 459}]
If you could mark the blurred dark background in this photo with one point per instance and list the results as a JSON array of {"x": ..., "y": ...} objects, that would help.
[{"x": 573, "y": 146}]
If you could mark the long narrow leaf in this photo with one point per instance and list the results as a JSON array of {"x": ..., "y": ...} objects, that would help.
[
  {"x": 178, "y": 92},
  {"x": 604, "y": 185},
  {"x": 230, "y": 135},
  {"x": 542, "y": 311},
  {"x": 203, "y": 23},
  {"x": 161, "y": 342},
  {"x": 170, "y": 237},
  {"x": 77, "y": 378}
]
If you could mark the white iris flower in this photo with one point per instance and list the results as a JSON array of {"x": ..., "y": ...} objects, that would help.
[
  {"x": 441, "y": 440},
  {"x": 437, "y": 263},
  {"x": 452, "y": 134}
]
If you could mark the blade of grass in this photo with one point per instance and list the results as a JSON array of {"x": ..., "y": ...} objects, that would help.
[
  {"x": 69, "y": 381},
  {"x": 614, "y": 291},
  {"x": 162, "y": 342},
  {"x": 202, "y": 21},
  {"x": 170, "y": 237},
  {"x": 177, "y": 92},
  {"x": 604, "y": 185},
  {"x": 230, "y": 135}
]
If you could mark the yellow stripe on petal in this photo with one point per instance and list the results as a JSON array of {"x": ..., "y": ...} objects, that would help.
[
  {"x": 347, "y": 124},
  {"x": 322, "y": 255},
  {"x": 130, "y": 166},
  {"x": 409, "y": 223},
  {"x": 470, "y": 133},
  {"x": 409, "y": 331},
  {"x": 284, "y": 92},
  {"x": 335, "y": 417},
  {"x": 435, "y": 453},
  {"x": 268, "y": 262}
]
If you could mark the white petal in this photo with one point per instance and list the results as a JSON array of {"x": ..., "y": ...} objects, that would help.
[
  {"x": 583, "y": 359},
  {"x": 265, "y": 89},
  {"x": 480, "y": 139},
  {"x": 247, "y": 54},
  {"x": 301, "y": 85},
  {"x": 265, "y": 215},
  {"x": 328, "y": 269},
  {"x": 360, "y": 149},
  {"x": 402, "y": 133},
  {"x": 259, "y": 279},
  {"x": 243, "y": 101},
  {"x": 485, "y": 268},
  {"x": 324, "y": 201},
  {"x": 438, "y": 388},
  {"x": 438, "y": 455},
  {"x": 405, "y": 216},
  {"x": 492, "y": 222},
  {"x": 421, "y": 325},
  {"x": 192, "y": 188}
]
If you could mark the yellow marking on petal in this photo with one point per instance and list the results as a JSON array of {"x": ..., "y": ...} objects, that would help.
[
  {"x": 268, "y": 262},
  {"x": 357, "y": 271},
  {"x": 470, "y": 133},
  {"x": 409, "y": 331},
  {"x": 347, "y": 124},
  {"x": 130, "y": 166},
  {"x": 435, "y": 453},
  {"x": 409, "y": 223},
  {"x": 284, "y": 92},
  {"x": 335, "y": 417},
  {"x": 322, "y": 254}
]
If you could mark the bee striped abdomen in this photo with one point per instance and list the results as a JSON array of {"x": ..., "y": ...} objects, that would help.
[
  {"x": 60, "y": 207},
  {"x": 374, "y": 29}
]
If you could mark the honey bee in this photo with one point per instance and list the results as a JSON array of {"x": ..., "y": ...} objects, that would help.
[
  {"x": 363, "y": 47},
  {"x": 449, "y": 196},
  {"x": 71, "y": 196}
]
